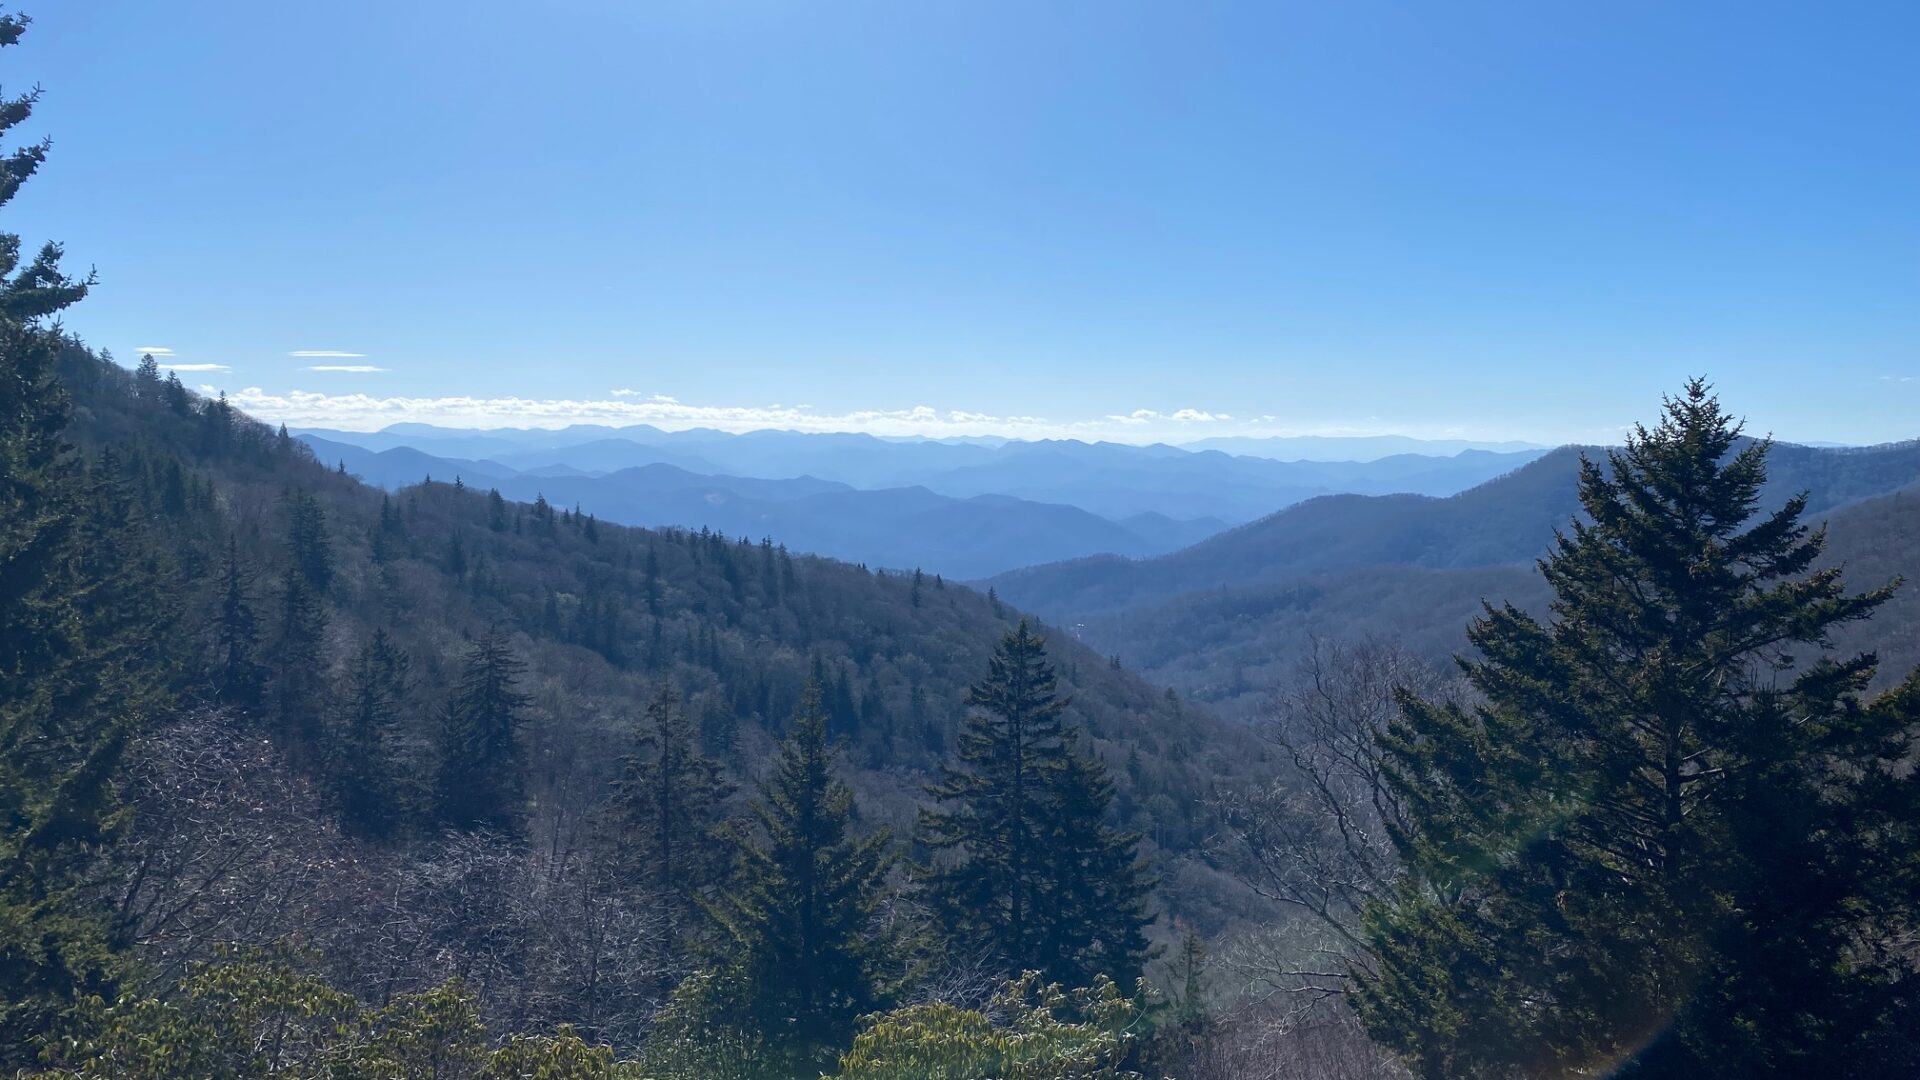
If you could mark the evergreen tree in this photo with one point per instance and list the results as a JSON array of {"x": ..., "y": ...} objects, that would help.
[
  {"x": 496, "y": 511},
  {"x": 216, "y": 427},
  {"x": 1671, "y": 840},
  {"x": 390, "y": 532},
  {"x": 1095, "y": 912},
  {"x": 72, "y": 689},
  {"x": 146, "y": 378},
  {"x": 801, "y": 959},
  {"x": 456, "y": 558},
  {"x": 237, "y": 674},
  {"x": 175, "y": 395},
  {"x": 668, "y": 799},
  {"x": 173, "y": 488},
  {"x": 651, "y": 587},
  {"x": 1032, "y": 873},
  {"x": 479, "y": 775},
  {"x": 309, "y": 549},
  {"x": 299, "y": 667},
  {"x": 365, "y": 765}
]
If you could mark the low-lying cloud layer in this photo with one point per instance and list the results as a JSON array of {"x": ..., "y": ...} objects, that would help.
[{"x": 366, "y": 412}]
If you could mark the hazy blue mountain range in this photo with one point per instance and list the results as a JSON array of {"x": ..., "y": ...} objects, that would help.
[
  {"x": 903, "y": 527},
  {"x": 965, "y": 508},
  {"x": 1218, "y": 621},
  {"x": 1349, "y": 447}
]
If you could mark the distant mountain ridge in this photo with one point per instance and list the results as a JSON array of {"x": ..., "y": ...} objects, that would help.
[
  {"x": 966, "y": 508},
  {"x": 900, "y": 528},
  {"x": 1221, "y": 620}
]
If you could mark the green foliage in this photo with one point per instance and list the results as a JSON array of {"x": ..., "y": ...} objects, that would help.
[
  {"x": 76, "y": 652},
  {"x": 1030, "y": 1031},
  {"x": 365, "y": 763},
  {"x": 1671, "y": 840},
  {"x": 237, "y": 676},
  {"x": 309, "y": 549},
  {"x": 801, "y": 957},
  {"x": 1037, "y": 877},
  {"x": 668, "y": 805},
  {"x": 255, "y": 1016},
  {"x": 564, "y": 1055},
  {"x": 299, "y": 663},
  {"x": 261, "y": 1016},
  {"x": 480, "y": 776},
  {"x": 693, "y": 1040}
]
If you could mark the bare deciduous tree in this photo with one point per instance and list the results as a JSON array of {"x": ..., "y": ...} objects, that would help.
[
  {"x": 1315, "y": 842},
  {"x": 229, "y": 847}
]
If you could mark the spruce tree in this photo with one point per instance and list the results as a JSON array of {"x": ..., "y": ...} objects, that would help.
[
  {"x": 237, "y": 675},
  {"x": 300, "y": 667},
  {"x": 308, "y": 548},
  {"x": 800, "y": 958},
  {"x": 995, "y": 818},
  {"x": 1028, "y": 870},
  {"x": 176, "y": 396},
  {"x": 364, "y": 752},
  {"x": 479, "y": 781},
  {"x": 71, "y": 689},
  {"x": 1095, "y": 914},
  {"x": 1671, "y": 839},
  {"x": 668, "y": 800},
  {"x": 146, "y": 378}
]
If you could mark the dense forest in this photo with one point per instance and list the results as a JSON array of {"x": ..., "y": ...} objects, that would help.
[{"x": 303, "y": 778}]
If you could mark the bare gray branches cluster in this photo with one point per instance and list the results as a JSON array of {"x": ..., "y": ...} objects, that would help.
[{"x": 228, "y": 848}]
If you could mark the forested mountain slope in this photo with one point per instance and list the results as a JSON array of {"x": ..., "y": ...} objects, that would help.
[
  {"x": 600, "y": 612},
  {"x": 1230, "y": 646}
]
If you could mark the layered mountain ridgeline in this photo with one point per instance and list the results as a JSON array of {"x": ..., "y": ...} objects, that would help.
[
  {"x": 906, "y": 528},
  {"x": 967, "y": 509},
  {"x": 1220, "y": 621}
]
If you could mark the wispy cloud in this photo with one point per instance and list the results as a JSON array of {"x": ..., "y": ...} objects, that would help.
[
  {"x": 1900, "y": 378},
  {"x": 360, "y": 368},
  {"x": 196, "y": 367},
  {"x": 367, "y": 412},
  {"x": 624, "y": 391},
  {"x": 1179, "y": 416},
  {"x": 156, "y": 350},
  {"x": 325, "y": 354}
]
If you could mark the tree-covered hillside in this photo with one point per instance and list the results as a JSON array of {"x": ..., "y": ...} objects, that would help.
[
  {"x": 436, "y": 734},
  {"x": 599, "y": 612},
  {"x": 1230, "y": 646}
]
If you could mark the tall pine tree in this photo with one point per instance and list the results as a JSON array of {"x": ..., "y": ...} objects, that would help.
[
  {"x": 299, "y": 665},
  {"x": 1671, "y": 840},
  {"x": 237, "y": 675},
  {"x": 1029, "y": 871},
  {"x": 800, "y": 957},
  {"x": 73, "y": 686},
  {"x": 1096, "y": 900},
  {"x": 364, "y": 752},
  {"x": 667, "y": 802},
  {"x": 479, "y": 781}
]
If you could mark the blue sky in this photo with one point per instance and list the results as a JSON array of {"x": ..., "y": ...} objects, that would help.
[{"x": 1486, "y": 219}]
